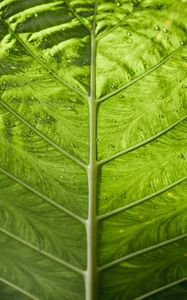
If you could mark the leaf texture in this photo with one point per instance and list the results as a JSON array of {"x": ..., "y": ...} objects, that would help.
[{"x": 93, "y": 150}]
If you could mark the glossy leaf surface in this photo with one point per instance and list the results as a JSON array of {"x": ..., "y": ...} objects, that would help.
[{"x": 93, "y": 150}]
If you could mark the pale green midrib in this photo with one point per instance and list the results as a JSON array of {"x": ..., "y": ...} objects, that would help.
[
  {"x": 77, "y": 16},
  {"x": 137, "y": 202},
  {"x": 51, "y": 143},
  {"x": 50, "y": 71},
  {"x": 135, "y": 80},
  {"x": 42, "y": 252},
  {"x": 22, "y": 291},
  {"x": 120, "y": 23},
  {"x": 142, "y": 251},
  {"x": 91, "y": 285},
  {"x": 144, "y": 142},
  {"x": 43, "y": 197},
  {"x": 163, "y": 288}
]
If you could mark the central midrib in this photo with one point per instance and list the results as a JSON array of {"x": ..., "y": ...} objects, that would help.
[{"x": 91, "y": 273}]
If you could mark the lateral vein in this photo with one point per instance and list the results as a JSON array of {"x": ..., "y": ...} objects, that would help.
[
  {"x": 17, "y": 288},
  {"x": 77, "y": 16},
  {"x": 42, "y": 252},
  {"x": 144, "y": 142},
  {"x": 125, "y": 86},
  {"x": 45, "y": 198},
  {"x": 163, "y": 288},
  {"x": 142, "y": 251},
  {"x": 137, "y": 202},
  {"x": 34, "y": 56},
  {"x": 119, "y": 24},
  {"x": 80, "y": 163}
]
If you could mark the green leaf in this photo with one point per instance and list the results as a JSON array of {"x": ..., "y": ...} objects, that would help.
[{"x": 93, "y": 156}]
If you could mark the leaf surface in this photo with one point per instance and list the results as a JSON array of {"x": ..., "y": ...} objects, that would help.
[{"x": 93, "y": 150}]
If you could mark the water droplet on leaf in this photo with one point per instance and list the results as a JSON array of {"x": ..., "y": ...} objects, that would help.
[
  {"x": 140, "y": 129},
  {"x": 118, "y": 3},
  {"x": 111, "y": 146},
  {"x": 165, "y": 29}
]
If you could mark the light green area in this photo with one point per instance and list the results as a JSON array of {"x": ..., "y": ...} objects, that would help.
[{"x": 61, "y": 84}]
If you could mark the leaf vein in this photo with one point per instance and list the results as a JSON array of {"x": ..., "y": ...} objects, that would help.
[
  {"x": 41, "y": 252},
  {"x": 137, "y": 202},
  {"x": 15, "y": 287},
  {"x": 76, "y": 15},
  {"x": 80, "y": 163},
  {"x": 120, "y": 23},
  {"x": 50, "y": 71},
  {"x": 45, "y": 198},
  {"x": 142, "y": 251},
  {"x": 144, "y": 142},
  {"x": 135, "y": 80},
  {"x": 163, "y": 288}
]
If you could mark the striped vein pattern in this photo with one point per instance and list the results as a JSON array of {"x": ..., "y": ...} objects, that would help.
[{"x": 45, "y": 67}]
